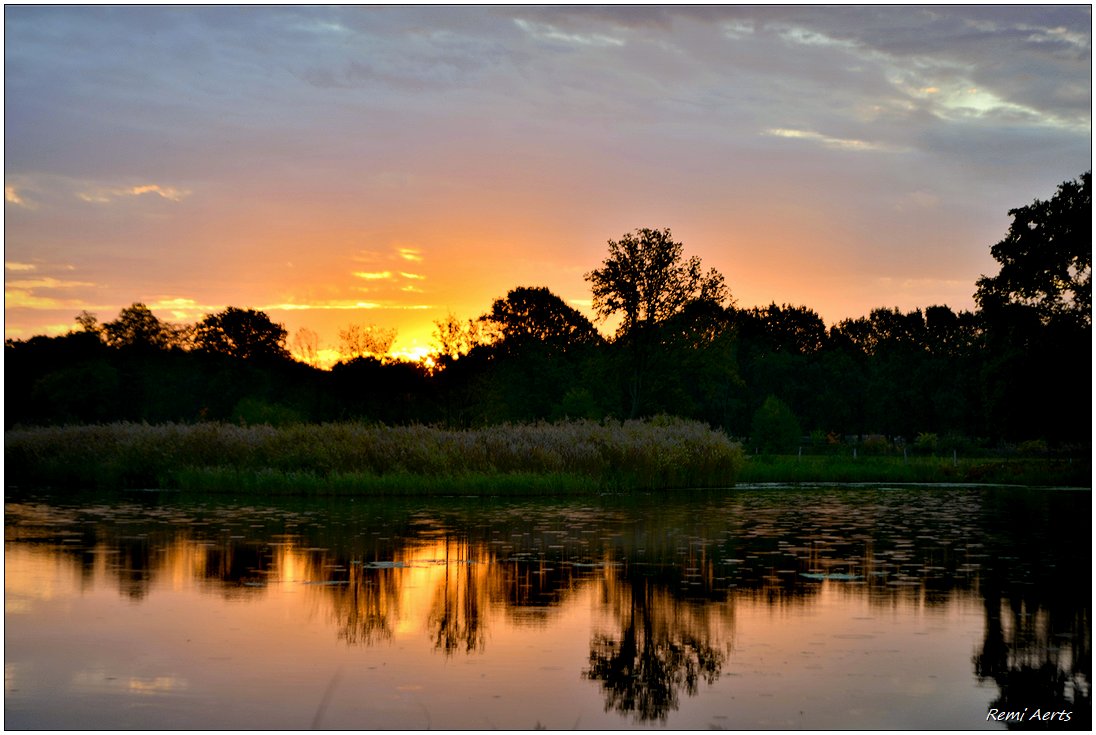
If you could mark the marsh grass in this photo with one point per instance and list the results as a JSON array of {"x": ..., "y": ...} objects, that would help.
[{"x": 348, "y": 458}]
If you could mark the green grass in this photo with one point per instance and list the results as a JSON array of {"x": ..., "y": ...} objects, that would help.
[
  {"x": 565, "y": 458},
  {"x": 347, "y": 458},
  {"x": 277, "y": 482},
  {"x": 1026, "y": 471}
]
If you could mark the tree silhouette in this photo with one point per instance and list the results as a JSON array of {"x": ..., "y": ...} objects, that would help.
[
  {"x": 1046, "y": 257},
  {"x": 454, "y": 337},
  {"x": 647, "y": 281},
  {"x": 530, "y": 315},
  {"x": 643, "y": 669},
  {"x": 368, "y": 340},
  {"x": 306, "y": 345},
  {"x": 242, "y": 333},
  {"x": 136, "y": 327},
  {"x": 775, "y": 428}
]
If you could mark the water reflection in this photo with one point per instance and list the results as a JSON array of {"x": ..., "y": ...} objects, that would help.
[
  {"x": 663, "y": 646},
  {"x": 1038, "y": 635},
  {"x": 666, "y": 579}
]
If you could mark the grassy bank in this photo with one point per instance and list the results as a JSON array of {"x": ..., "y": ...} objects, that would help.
[
  {"x": 347, "y": 458},
  {"x": 1023, "y": 471}
]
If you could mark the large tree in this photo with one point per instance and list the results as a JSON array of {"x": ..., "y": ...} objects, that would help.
[
  {"x": 244, "y": 333},
  {"x": 529, "y": 315},
  {"x": 1046, "y": 257},
  {"x": 136, "y": 327},
  {"x": 646, "y": 280}
]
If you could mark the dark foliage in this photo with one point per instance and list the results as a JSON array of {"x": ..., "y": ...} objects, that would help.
[{"x": 1018, "y": 369}]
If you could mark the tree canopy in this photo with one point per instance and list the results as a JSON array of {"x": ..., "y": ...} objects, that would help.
[
  {"x": 242, "y": 333},
  {"x": 997, "y": 374},
  {"x": 1046, "y": 257},
  {"x": 135, "y": 327},
  {"x": 529, "y": 315},
  {"x": 647, "y": 280}
]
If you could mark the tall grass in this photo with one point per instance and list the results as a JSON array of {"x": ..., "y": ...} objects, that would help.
[{"x": 578, "y": 456}]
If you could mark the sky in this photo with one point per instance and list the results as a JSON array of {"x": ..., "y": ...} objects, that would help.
[{"x": 391, "y": 165}]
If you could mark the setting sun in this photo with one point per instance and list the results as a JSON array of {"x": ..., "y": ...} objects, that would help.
[{"x": 310, "y": 178}]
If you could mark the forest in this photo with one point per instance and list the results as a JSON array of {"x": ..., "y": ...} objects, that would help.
[{"x": 1014, "y": 372}]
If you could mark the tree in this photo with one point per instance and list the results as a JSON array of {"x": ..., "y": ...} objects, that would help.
[
  {"x": 88, "y": 322},
  {"x": 775, "y": 428},
  {"x": 242, "y": 333},
  {"x": 1046, "y": 257},
  {"x": 359, "y": 341},
  {"x": 536, "y": 315},
  {"x": 455, "y": 338},
  {"x": 135, "y": 327},
  {"x": 306, "y": 345},
  {"x": 787, "y": 328},
  {"x": 646, "y": 280}
]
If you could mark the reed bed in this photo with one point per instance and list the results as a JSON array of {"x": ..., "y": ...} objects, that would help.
[{"x": 349, "y": 458}]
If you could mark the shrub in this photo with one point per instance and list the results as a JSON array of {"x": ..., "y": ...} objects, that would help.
[{"x": 775, "y": 428}]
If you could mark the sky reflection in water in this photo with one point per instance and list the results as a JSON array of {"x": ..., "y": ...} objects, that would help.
[{"x": 821, "y": 608}]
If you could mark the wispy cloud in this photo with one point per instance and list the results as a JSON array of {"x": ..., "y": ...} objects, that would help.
[
  {"x": 182, "y": 308},
  {"x": 411, "y": 254},
  {"x": 23, "y": 298},
  {"x": 848, "y": 144},
  {"x": 35, "y": 292},
  {"x": 105, "y": 195},
  {"x": 12, "y": 196},
  {"x": 46, "y": 282},
  {"x": 547, "y": 32},
  {"x": 373, "y": 276},
  {"x": 346, "y": 305}
]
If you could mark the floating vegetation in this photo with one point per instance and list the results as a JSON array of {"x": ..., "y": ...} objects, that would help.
[{"x": 351, "y": 458}]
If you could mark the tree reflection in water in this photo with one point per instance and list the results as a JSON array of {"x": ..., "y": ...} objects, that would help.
[
  {"x": 1037, "y": 597},
  {"x": 459, "y": 602},
  {"x": 664, "y": 646},
  {"x": 668, "y": 581},
  {"x": 365, "y": 608},
  {"x": 1023, "y": 654}
]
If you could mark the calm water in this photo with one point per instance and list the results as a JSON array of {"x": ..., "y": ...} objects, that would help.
[{"x": 757, "y": 608}]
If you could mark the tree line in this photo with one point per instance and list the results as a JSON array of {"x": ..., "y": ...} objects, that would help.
[{"x": 1017, "y": 368}]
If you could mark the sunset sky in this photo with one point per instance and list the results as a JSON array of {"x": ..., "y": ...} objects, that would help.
[{"x": 389, "y": 165}]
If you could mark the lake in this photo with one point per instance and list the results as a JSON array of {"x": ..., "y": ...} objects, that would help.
[{"x": 754, "y": 608}]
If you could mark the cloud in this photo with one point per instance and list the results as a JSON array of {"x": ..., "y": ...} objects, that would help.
[
  {"x": 12, "y": 266},
  {"x": 374, "y": 276},
  {"x": 105, "y": 195},
  {"x": 12, "y": 196},
  {"x": 547, "y": 32},
  {"x": 412, "y": 276},
  {"x": 492, "y": 125},
  {"x": 345, "y": 306},
  {"x": 339, "y": 305},
  {"x": 182, "y": 308},
  {"x": 24, "y": 298},
  {"x": 46, "y": 282},
  {"x": 848, "y": 144}
]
